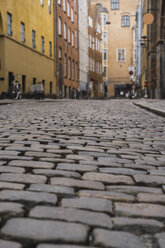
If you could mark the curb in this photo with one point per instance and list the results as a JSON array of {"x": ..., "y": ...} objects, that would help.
[{"x": 153, "y": 110}]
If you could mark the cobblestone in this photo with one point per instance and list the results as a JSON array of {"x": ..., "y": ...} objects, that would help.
[
  {"x": 12, "y": 195},
  {"x": 108, "y": 178},
  {"x": 9, "y": 244},
  {"x": 61, "y": 190},
  {"x": 32, "y": 164},
  {"x": 117, "y": 239},
  {"x": 22, "y": 178},
  {"x": 51, "y": 230},
  {"x": 72, "y": 215},
  {"x": 77, "y": 183},
  {"x": 95, "y": 204},
  {"x": 76, "y": 174},
  {"x": 140, "y": 209}
]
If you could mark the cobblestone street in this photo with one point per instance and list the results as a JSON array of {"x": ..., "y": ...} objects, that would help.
[{"x": 81, "y": 173}]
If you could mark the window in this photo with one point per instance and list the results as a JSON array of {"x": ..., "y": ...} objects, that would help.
[
  {"x": 121, "y": 55},
  {"x": 42, "y": 2},
  {"x": 64, "y": 5},
  {"x": 59, "y": 26},
  {"x": 49, "y": 6},
  {"x": 105, "y": 71},
  {"x": 60, "y": 53},
  {"x": 72, "y": 15},
  {"x": 65, "y": 31},
  {"x": 59, "y": 2},
  {"x": 68, "y": 9},
  {"x": 114, "y": 4},
  {"x": 50, "y": 48},
  {"x": 50, "y": 85},
  {"x": 33, "y": 39},
  {"x": 104, "y": 19},
  {"x": 75, "y": 5},
  {"x": 9, "y": 20},
  {"x": 22, "y": 32},
  {"x": 69, "y": 35},
  {"x": 73, "y": 39},
  {"x": 65, "y": 65},
  {"x": 105, "y": 54},
  {"x": 125, "y": 21},
  {"x": 105, "y": 37},
  {"x": 34, "y": 80},
  {"x": 90, "y": 21},
  {"x": 73, "y": 70},
  {"x": 76, "y": 72},
  {"x": 42, "y": 44},
  {"x": 69, "y": 68}
]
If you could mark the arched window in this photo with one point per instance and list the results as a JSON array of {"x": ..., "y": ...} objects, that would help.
[{"x": 125, "y": 21}]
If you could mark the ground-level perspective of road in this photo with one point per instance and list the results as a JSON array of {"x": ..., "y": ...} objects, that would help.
[{"x": 81, "y": 173}]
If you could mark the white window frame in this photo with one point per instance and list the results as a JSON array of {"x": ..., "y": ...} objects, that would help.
[
  {"x": 64, "y": 5},
  {"x": 121, "y": 55},
  {"x": 68, "y": 9},
  {"x": 69, "y": 68},
  {"x": 72, "y": 39},
  {"x": 59, "y": 25},
  {"x": 72, "y": 16},
  {"x": 125, "y": 21},
  {"x": 59, "y": 2},
  {"x": 42, "y": 2},
  {"x": 65, "y": 29},
  {"x": 69, "y": 34},
  {"x": 65, "y": 65}
]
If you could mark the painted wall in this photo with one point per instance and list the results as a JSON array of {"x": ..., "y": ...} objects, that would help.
[{"x": 19, "y": 57}]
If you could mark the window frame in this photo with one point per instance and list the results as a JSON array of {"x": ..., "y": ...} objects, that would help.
[
  {"x": 42, "y": 3},
  {"x": 114, "y": 4},
  {"x": 60, "y": 25},
  {"x": 121, "y": 55},
  {"x": 65, "y": 31},
  {"x": 42, "y": 44},
  {"x": 22, "y": 32},
  {"x": 50, "y": 49},
  {"x": 125, "y": 21},
  {"x": 9, "y": 23},
  {"x": 33, "y": 39}
]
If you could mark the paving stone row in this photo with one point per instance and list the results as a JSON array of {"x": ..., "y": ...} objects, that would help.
[{"x": 77, "y": 174}]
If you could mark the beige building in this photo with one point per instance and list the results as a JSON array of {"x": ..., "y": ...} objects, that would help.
[
  {"x": 27, "y": 45},
  {"x": 122, "y": 14}
]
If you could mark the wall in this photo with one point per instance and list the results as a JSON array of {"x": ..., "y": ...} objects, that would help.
[{"x": 19, "y": 57}]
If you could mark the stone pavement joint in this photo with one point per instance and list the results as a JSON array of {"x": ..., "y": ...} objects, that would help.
[{"x": 82, "y": 173}]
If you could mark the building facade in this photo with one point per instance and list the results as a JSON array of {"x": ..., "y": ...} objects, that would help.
[
  {"x": 156, "y": 50},
  {"x": 104, "y": 16},
  {"x": 83, "y": 46},
  {"x": 67, "y": 48},
  {"x": 27, "y": 45},
  {"x": 122, "y": 15},
  {"x": 95, "y": 51}
]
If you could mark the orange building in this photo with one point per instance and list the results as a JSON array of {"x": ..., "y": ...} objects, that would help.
[
  {"x": 67, "y": 48},
  {"x": 95, "y": 52}
]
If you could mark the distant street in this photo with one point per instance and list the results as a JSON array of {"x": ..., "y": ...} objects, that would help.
[{"x": 81, "y": 173}]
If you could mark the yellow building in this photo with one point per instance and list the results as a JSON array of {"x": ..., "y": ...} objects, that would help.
[
  {"x": 122, "y": 16},
  {"x": 27, "y": 44}
]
